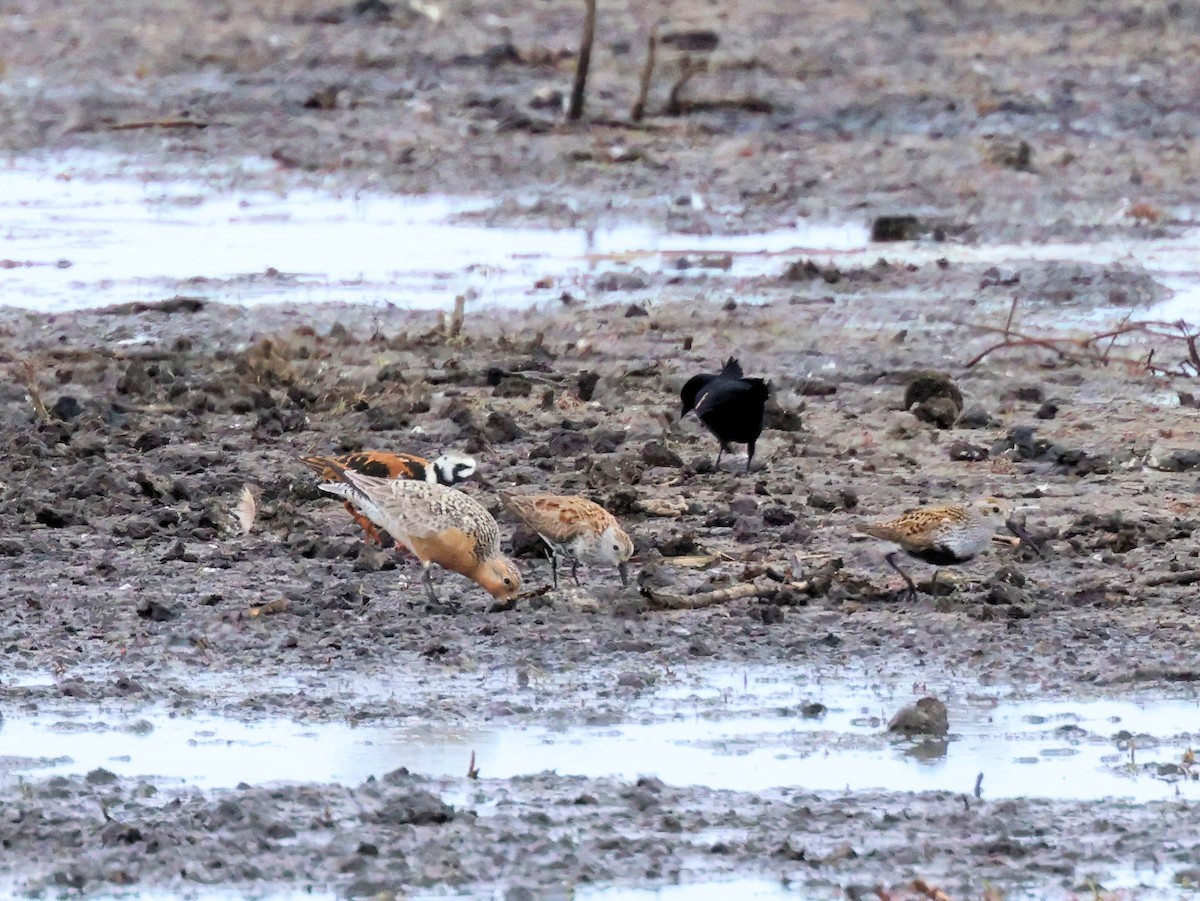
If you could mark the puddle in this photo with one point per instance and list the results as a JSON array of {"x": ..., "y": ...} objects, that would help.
[
  {"x": 740, "y": 731},
  {"x": 71, "y": 241},
  {"x": 73, "y": 238}
]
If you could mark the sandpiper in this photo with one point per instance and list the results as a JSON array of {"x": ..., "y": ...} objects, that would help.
[
  {"x": 943, "y": 535},
  {"x": 729, "y": 405},
  {"x": 575, "y": 528},
  {"x": 438, "y": 524},
  {"x": 448, "y": 469}
]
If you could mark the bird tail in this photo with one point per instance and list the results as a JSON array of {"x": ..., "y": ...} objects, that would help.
[
  {"x": 329, "y": 469},
  {"x": 876, "y": 530},
  {"x": 732, "y": 368}
]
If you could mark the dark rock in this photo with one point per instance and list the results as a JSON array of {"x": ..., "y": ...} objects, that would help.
[
  {"x": 1048, "y": 410},
  {"x": 975, "y": 417},
  {"x": 748, "y": 528},
  {"x": 967, "y": 452},
  {"x": 771, "y": 614},
  {"x": 781, "y": 419},
  {"x": 823, "y": 499},
  {"x": 927, "y": 385},
  {"x": 895, "y": 228},
  {"x": 679, "y": 545},
  {"x": 655, "y": 453},
  {"x": 636, "y": 311},
  {"x": 100, "y": 776},
  {"x": 586, "y": 384},
  {"x": 624, "y": 281},
  {"x": 66, "y": 408},
  {"x": 778, "y": 516},
  {"x": 514, "y": 386},
  {"x": 56, "y": 517},
  {"x": 1032, "y": 394},
  {"x": 817, "y": 388},
  {"x": 415, "y": 808},
  {"x": 939, "y": 411},
  {"x": 743, "y": 506},
  {"x": 154, "y": 611},
  {"x": 995, "y": 277},
  {"x": 926, "y": 717},
  {"x": 848, "y": 497},
  {"x": 501, "y": 428},
  {"x": 813, "y": 710},
  {"x": 1021, "y": 439}
]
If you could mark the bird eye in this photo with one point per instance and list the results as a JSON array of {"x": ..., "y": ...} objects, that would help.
[
  {"x": 995, "y": 509},
  {"x": 508, "y": 583}
]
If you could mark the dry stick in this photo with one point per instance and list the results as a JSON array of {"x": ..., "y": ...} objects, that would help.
[
  {"x": 35, "y": 394},
  {"x": 157, "y": 123},
  {"x": 575, "y": 109},
  {"x": 456, "y": 320},
  {"x": 686, "y": 71},
  {"x": 1047, "y": 343},
  {"x": 639, "y": 108},
  {"x": 709, "y": 598},
  {"x": 1187, "y": 577}
]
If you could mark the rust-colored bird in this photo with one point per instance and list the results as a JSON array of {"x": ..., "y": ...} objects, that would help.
[
  {"x": 576, "y": 528},
  {"x": 438, "y": 524},
  {"x": 448, "y": 469},
  {"x": 943, "y": 535}
]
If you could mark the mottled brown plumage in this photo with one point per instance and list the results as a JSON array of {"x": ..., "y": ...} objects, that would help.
[
  {"x": 576, "y": 528},
  {"x": 942, "y": 535},
  {"x": 448, "y": 469},
  {"x": 438, "y": 524}
]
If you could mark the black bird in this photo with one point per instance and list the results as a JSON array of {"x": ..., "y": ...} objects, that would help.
[{"x": 729, "y": 405}]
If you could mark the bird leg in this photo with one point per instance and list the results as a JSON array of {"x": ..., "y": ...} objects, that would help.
[
  {"x": 912, "y": 586},
  {"x": 750, "y": 455},
  {"x": 721, "y": 451},
  {"x": 427, "y": 578},
  {"x": 366, "y": 524},
  {"x": 575, "y": 571},
  {"x": 1023, "y": 537},
  {"x": 554, "y": 567},
  {"x": 933, "y": 582}
]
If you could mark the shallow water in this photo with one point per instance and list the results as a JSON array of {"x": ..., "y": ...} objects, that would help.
[
  {"x": 73, "y": 241},
  {"x": 740, "y": 730},
  {"x": 76, "y": 236}
]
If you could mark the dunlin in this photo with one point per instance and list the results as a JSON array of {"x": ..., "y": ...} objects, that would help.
[
  {"x": 438, "y": 524},
  {"x": 448, "y": 469},
  {"x": 942, "y": 535},
  {"x": 729, "y": 405},
  {"x": 575, "y": 528}
]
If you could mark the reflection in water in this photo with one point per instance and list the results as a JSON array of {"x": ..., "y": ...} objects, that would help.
[
  {"x": 84, "y": 243},
  {"x": 738, "y": 730}
]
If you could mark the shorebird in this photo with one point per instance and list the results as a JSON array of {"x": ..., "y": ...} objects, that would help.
[
  {"x": 438, "y": 524},
  {"x": 575, "y": 528},
  {"x": 448, "y": 469},
  {"x": 943, "y": 535},
  {"x": 730, "y": 406}
]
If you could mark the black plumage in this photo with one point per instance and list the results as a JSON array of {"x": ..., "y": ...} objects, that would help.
[{"x": 730, "y": 405}]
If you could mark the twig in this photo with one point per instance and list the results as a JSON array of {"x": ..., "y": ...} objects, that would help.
[
  {"x": 1187, "y": 577},
  {"x": 456, "y": 319},
  {"x": 709, "y": 598},
  {"x": 1047, "y": 343},
  {"x": 686, "y": 70},
  {"x": 579, "y": 87},
  {"x": 35, "y": 393},
  {"x": 157, "y": 123},
  {"x": 639, "y": 108},
  {"x": 1012, "y": 311}
]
